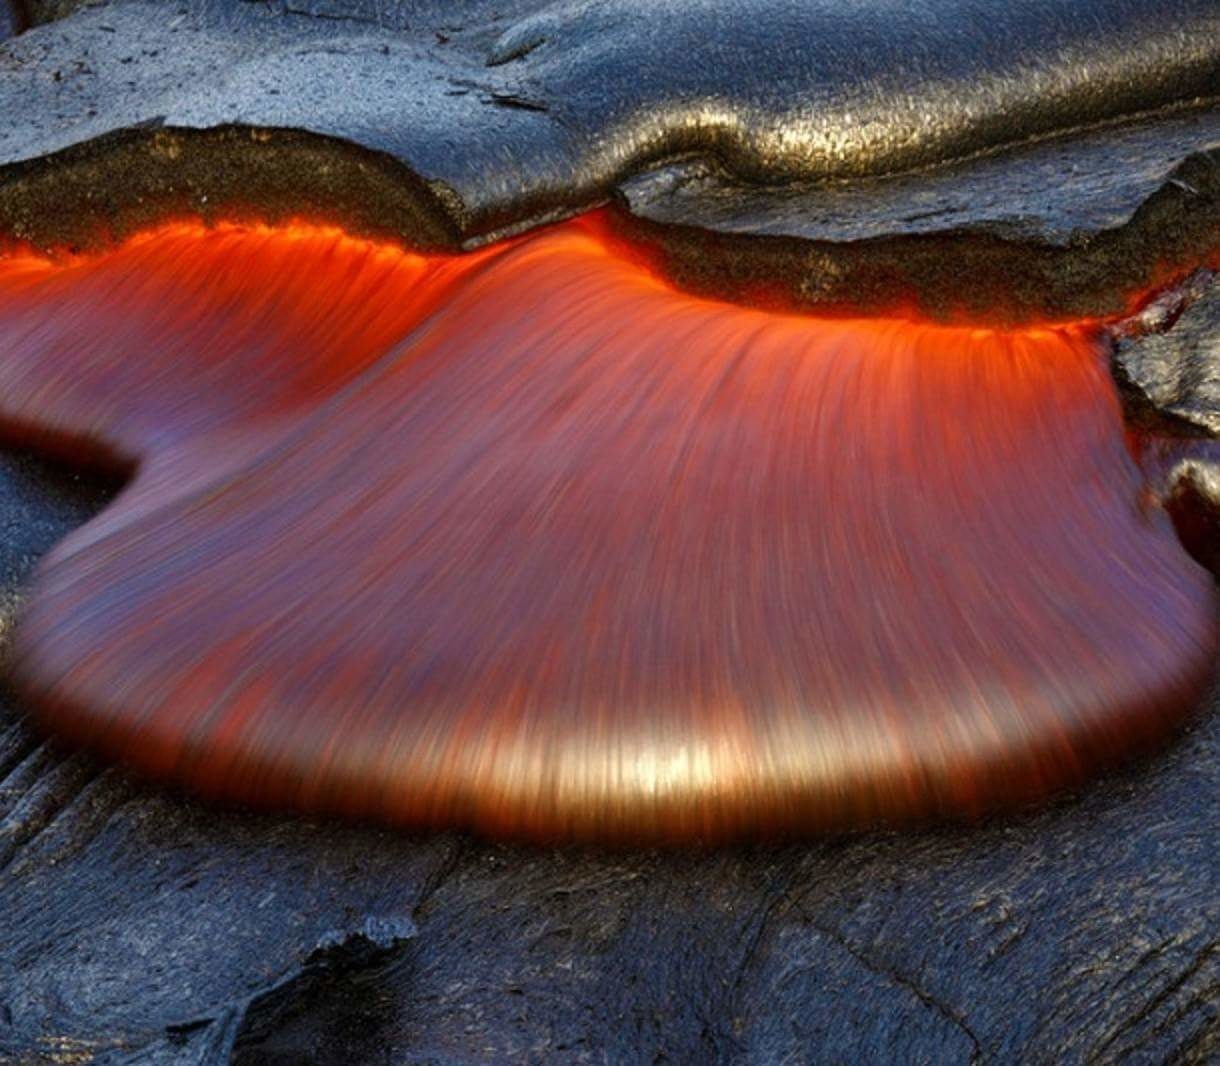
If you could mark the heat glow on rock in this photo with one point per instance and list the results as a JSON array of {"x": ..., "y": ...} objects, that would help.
[{"x": 529, "y": 541}]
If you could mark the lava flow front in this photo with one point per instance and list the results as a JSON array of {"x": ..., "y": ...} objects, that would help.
[{"x": 529, "y": 541}]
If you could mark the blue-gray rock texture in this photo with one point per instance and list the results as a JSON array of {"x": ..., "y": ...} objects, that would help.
[
  {"x": 12, "y": 20},
  {"x": 1047, "y": 147}
]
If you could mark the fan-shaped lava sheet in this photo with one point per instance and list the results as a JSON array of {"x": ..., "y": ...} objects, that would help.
[{"x": 528, "y": 540}]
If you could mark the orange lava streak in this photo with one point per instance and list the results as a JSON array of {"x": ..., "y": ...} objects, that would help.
[{"x": 526, "y": 540}]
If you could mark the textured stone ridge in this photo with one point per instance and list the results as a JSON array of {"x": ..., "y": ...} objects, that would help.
[{"x": 1166, "y": 362}]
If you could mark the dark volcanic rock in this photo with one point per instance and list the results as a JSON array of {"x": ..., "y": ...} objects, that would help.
[
  {"x": 1177, "y": 373},
  {"x": 558, "y": 100},
  {"x": 1194, "y": 502},
  {"x": 40, "y": 11},
  {"x": 966, "y": 273},
  {"x": 12, "y": 20},
  {"x": 1057, "y": 191},
  {"x": 1167, "y": 365}
]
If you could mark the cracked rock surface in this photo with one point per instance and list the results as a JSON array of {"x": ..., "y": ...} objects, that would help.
[{"x": 136, "y": 926}]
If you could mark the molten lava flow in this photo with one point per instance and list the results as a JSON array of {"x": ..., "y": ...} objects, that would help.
[{"x": 529, "y": 541}]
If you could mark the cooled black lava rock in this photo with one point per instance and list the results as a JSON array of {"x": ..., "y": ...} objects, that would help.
[{"x": 1176, "y": 373}]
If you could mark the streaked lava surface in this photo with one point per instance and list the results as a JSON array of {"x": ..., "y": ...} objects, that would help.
[{"x": 527, "y": 540}]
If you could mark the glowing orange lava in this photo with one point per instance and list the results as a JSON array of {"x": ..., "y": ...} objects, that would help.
[{"x": 529, "y": 541}]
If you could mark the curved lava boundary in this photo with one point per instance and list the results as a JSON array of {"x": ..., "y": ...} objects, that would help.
[{"x": 529, "y": 541}]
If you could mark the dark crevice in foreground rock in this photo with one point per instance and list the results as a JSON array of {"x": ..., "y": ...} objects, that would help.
[
  {"x": 1194, "y": 502},
  {"x": 348, "y": 962},
  {"x": 13, "y": 18}
]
